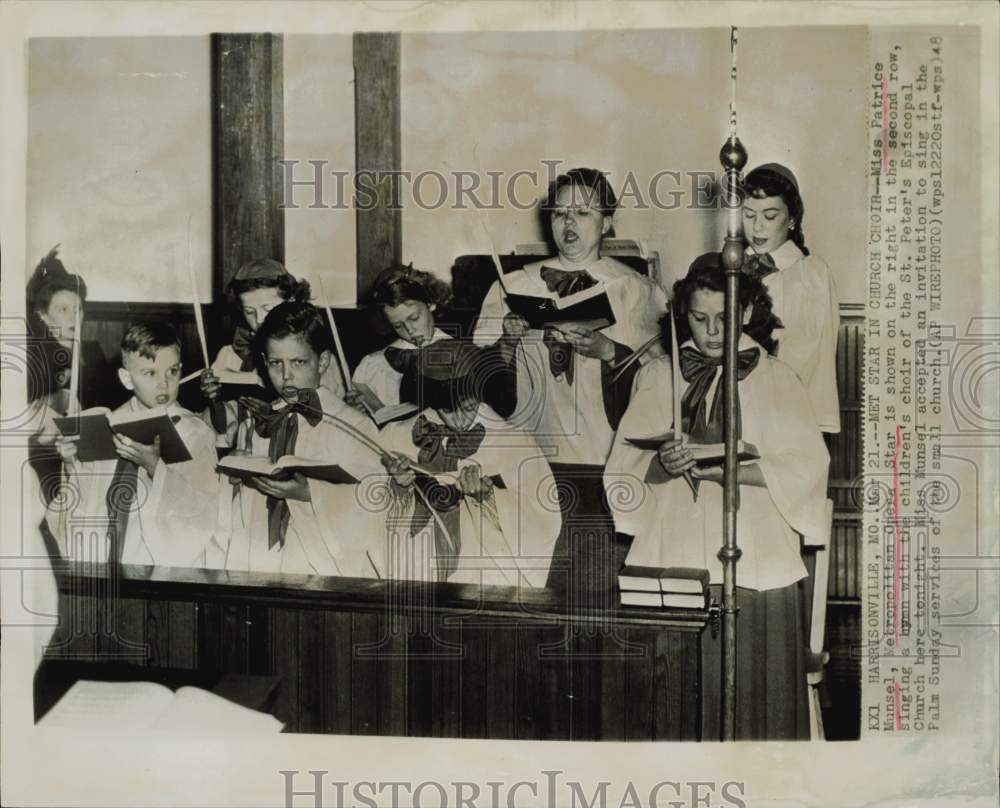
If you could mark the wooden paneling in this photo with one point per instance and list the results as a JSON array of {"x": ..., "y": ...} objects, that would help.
[
  {"x": 431, "y": 664},
  {"x": 377, "y": 139},
  {"x": 247, "y": 143}
]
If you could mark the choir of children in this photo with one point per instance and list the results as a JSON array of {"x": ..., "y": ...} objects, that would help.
[{"x": 462, "y": 490}]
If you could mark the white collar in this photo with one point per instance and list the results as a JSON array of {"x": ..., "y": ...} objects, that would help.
[
  {"x": 436, "y": 336},
  {"x": 785, "y": 256}
]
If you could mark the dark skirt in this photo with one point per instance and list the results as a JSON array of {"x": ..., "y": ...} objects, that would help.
[
  {"x": 588, "y": 553},
  {"x": 771, "y": 698}
]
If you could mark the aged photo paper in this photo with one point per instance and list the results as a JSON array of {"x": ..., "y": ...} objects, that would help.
[{"x": 126, "y": 138}]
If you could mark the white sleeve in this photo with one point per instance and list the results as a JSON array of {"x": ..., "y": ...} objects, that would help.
[
  {"x": 489, "y": 325},
  {"x": 649, "y": 413},
  {"x": 181, "y": 515}
]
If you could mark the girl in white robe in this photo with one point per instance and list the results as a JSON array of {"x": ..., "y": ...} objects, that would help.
[
  {"x": 799, "y": 283},
  {"x": 569, "y": 392},
  {"x": 486, "y": 481},
  {"x": 409, "y": 300},
  {"x": 782, "y": 496}
]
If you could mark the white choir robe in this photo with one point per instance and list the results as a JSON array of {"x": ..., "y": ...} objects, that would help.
[
  {"x": 383, "y": 378},
  {"x": 173, "y": 520},
  {"x": 805, "y": 300},
  {"x": 316, "y": 543},
  {"x": 671, "y": 528},
  {"x": 571, "y": 419},
  {"x": 228, "y": 360},
  {"x": 509, "y": 546}
]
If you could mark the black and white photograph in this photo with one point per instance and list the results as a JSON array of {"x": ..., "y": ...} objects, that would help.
[{"x": 430, "y": 379}]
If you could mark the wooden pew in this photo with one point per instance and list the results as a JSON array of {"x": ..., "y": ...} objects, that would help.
[{"x": 369, "y": 657}]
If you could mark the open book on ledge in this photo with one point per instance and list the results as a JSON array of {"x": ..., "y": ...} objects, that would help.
[
  {"x": 246, "y": 466},
  {"x": 151, "y": 706},
  {"x": 705, "y": 454},
  {"x": 590, "y": 306},
  {"x": 96, "y": 427}
]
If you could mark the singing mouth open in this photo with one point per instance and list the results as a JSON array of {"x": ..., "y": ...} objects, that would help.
[
  {"x": 758, "y": 241},
  {"x": 163, "y": 399},
  {"x": 290, "y": 393},
  {"x": 570, "y": 236}
]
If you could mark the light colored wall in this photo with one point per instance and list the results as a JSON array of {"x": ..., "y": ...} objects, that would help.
[
  {"x": 119, "y": 163},
  {"x": 639, "y": 101},
  {"x": 319, "y": 125}
]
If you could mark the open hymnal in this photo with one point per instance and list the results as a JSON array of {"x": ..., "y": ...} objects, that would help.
[
  {"x": 97, "y": 426},
  {"x": 705, "y": 454},
  {"x": 237, "y": 384},
  {"x": 247, "y": 466},
  {"x": 381, "y": 413},
  {"x": 590, "y": 307},
  {"x": 151, "y": 706}
]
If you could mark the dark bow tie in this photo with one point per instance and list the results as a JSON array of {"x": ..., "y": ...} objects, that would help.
[
  {"x": 243, "y": 346},
  {"x": 698, "y": 370},
  {"x": 567, "y": 283},
  {"x": 441, "y": 447},
  {"x": 759, "y": 265},
  {"x": 281, "y": 427},
  {"x": 561, "y": 353}
]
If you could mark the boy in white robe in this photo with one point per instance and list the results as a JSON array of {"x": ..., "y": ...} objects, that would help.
[
  {"x": 782, "y": 495},
  {"x": 138, "y": 509},
  {"x": 284, "y": 526},
  {"x": 484, "y": 479}
]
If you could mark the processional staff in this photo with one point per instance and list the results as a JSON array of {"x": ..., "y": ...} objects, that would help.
[{"x": 734, "y": 158}]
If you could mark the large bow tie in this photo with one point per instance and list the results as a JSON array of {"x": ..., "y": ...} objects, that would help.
[
  {"x": 282, "y": 428},
  {"x": 699, "y": 422},
  {"x": 561, "y": 353},
  {"x": 441, "y": 447},
  {"x": 566, "y": 283},
  {"x": 243, "y": 346},
  {"x": 759, "y": 265}
]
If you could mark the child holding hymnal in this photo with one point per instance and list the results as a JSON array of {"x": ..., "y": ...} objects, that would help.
[
  {"x": 782, "y": 494},
  {"x": 288, "y": 522},
  {"x": 138, "y": 508},
  {"x": 465, "y": 497},
  {"x": 257, "y": 287}
]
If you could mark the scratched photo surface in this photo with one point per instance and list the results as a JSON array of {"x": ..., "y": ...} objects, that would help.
[{"x": 158, "y": 150}]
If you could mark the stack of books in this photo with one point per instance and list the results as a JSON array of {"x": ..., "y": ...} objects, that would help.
[{"x": 664, "y": 587}]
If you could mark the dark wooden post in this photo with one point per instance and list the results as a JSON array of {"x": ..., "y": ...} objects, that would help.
[
  {"x": 377, "y": 138},
  {"x": 247, "y": 143}
]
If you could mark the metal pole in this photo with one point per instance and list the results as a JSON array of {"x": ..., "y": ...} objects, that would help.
[{"x": 733, "y": 158}]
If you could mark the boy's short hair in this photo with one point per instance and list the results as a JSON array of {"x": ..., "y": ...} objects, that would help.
[
  {"x": 146, "y": 338},
  {"x": 294, "y": 319}
]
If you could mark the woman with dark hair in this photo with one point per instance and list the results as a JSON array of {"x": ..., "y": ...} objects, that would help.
[
  {"x": 55, "y": 297},
  {"x": 410, "y": 300},
  {"x": 673, "y": 507},
  {"x": 258, "y": 286},
  {"x": 570, "y": 394},
  {"x": 799, "y": 283}
]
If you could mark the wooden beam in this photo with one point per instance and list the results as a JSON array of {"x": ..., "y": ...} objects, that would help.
[
  {"x": 377, "y": 137},
  {"x": 247, "y": 143}
]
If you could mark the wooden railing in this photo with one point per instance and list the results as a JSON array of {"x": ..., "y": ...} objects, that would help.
[{"x": 359, "y": 656}]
